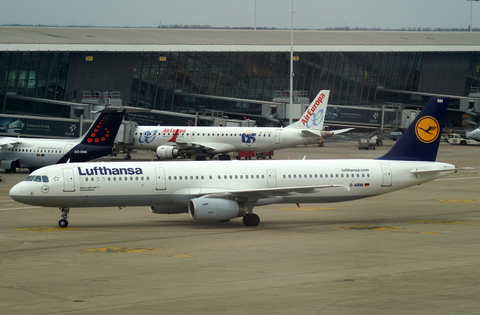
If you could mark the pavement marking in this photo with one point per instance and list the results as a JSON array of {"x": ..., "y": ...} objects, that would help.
[
  {"x": 458, "y": 201},
  {"x": 306, "y": 208},
  {"x": 367, "y": 227},
  {"x": 20, "y": 208},
  {"x": 44, "y": 229},
  {"x": 458, "y": 178},
  {"x": 438, "y": 222},
  {"x": 121, "y": 250}
]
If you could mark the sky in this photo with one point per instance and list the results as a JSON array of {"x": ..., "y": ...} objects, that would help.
[{"x": 309, "y": 14}]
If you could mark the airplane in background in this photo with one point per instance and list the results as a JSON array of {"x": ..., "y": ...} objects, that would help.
[
  {"x": 224, "y": 190},
  {"x": 33, "y": 153},
  {"x": 203, "y": 142},
  {"x": 474, "y": 134}
]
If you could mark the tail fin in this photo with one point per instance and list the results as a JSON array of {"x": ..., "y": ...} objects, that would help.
[
  {"x": 421, "y": 139},
  {"x": 104, "y": 130},
  {"x": 314, "y": 116}
]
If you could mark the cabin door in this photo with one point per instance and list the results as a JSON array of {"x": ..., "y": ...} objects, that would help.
[
  {"x": 271, "y": 178},
  {"x": 386, "y": 175},
  {"x": 277, "y": 135},
  {"x": 68, "y": 180},
  {"x": 161, "y": 182}
]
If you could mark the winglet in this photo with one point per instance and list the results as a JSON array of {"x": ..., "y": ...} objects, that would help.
[
  {"x": 421, "y": 139},
  {"x": 175, "y": 135},
  {"x": 314, "y": 116}
]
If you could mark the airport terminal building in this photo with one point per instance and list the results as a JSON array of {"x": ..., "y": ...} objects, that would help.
[{"x": 234, "y": 71}]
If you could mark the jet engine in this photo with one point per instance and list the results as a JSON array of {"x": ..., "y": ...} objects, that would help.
[
  {"x": 168, "y": 209},
  {"x": 213, "y": 209},
  {"x": 167, "y": 152}
]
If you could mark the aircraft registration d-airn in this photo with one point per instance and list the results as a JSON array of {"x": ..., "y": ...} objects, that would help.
[
  {"x": 224, "y": 190},
  {"x": 203, "y": 142},
  {"x": 33, "y": 153}
]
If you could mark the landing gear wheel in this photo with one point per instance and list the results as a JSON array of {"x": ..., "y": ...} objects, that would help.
[
  {"x": 251, "y": 219},
  {"x": 63, "y": 222}
]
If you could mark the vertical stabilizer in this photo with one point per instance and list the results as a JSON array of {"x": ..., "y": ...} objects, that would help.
[
  {"x": 104, "y": 129},
  {"x": 421, "y": 139},
  {"x": 314, "y": 116},
  {"x": 99, "y": 139}
]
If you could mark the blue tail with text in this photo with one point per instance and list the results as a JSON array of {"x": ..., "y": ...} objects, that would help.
[
  {"x": 99, "y": 139},
  {"x": 421, "y": 139}
]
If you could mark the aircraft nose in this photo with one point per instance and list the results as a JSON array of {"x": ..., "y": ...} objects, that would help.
[{"x": 17, "y": 192}]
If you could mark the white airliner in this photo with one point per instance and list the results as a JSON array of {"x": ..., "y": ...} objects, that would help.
[
  {"x": 171, "y": 142},
  {"x": 474, "y": 134},
  {"x": 224, "y": 190},
  {"x": 33, "y": 153}
]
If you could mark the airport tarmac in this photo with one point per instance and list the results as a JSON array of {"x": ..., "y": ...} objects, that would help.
[{"x": 415, "y": 251}]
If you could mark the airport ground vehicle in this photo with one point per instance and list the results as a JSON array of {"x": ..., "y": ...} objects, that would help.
[{"x": 455, "y": 138}]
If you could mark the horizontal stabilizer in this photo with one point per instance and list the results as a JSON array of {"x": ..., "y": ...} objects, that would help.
[
  {"x": 418, "y": 171},
  {"x": 339, "y": 131}
]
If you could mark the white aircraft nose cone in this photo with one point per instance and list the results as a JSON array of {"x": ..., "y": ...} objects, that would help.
[{"x": 17, "y": 193}]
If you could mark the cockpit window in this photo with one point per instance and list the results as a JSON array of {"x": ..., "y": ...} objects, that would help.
[{"x": 37, "y": 178}]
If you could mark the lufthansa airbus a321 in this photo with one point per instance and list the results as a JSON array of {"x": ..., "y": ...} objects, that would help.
[
  {"x": 203, "y": 142},
  {"x": 224, "y": 190}
]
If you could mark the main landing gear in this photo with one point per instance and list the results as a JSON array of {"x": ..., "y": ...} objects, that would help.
[
  {"x": 63, "y": 223},
  {"x": 251, "y": 219}
]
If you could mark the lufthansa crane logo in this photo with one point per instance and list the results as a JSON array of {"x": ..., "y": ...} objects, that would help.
[{"x": 427, "y": 129}]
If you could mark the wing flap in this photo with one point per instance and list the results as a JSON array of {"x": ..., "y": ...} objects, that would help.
[
  {"x": 209, "y": 147},
  {"x": 267, "y": 192}
]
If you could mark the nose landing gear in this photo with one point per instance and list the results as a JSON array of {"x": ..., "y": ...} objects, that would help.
[{"x": 63, "y": 223}]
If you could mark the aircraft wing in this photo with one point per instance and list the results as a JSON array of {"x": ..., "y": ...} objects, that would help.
[
  {"x": 5, "y": 141},
  {"x": 263, "y": 196},
  {"x": 202, "y": 146}
]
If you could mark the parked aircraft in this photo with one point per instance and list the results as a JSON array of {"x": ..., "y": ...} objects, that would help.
[
  {"x": 33, "y": 153},
  {"x": 171, "y": 142},
  {"x": 474, "y": 134},
  {"x": 224, "y": 190}
]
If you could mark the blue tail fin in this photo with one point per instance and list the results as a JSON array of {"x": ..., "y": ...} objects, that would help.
[
  {"x": 104, "y": 129},
  {"x": 99, "y": 139},
  {"x": 421, "y": 139}
]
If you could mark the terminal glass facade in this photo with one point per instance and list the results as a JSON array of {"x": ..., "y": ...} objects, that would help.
[
  {"x": 34, "y": 74},
  {"x": 154, "y": 80},
  {"x": 351, "y": 77}
]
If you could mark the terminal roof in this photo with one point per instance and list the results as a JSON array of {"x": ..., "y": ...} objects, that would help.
[{"x": 160, "y": 39}]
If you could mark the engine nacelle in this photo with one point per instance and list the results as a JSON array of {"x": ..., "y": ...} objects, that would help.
[
  {"x": 213, "y": 209},
  {"x": 168, "y": 209},
  {"x": 167, "y": 152}
]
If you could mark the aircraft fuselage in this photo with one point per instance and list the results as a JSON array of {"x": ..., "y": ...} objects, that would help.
[{"x": 118, "y": 184}]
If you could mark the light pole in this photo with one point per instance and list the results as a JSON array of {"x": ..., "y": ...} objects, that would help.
[
  {"x": 291, "y": 70},
  {"x": 255, "y": 16},
  {"x": 471, "y": 13}
]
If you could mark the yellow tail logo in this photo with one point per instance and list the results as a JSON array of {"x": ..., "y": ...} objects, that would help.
[{"x": 427, "y": 129}]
